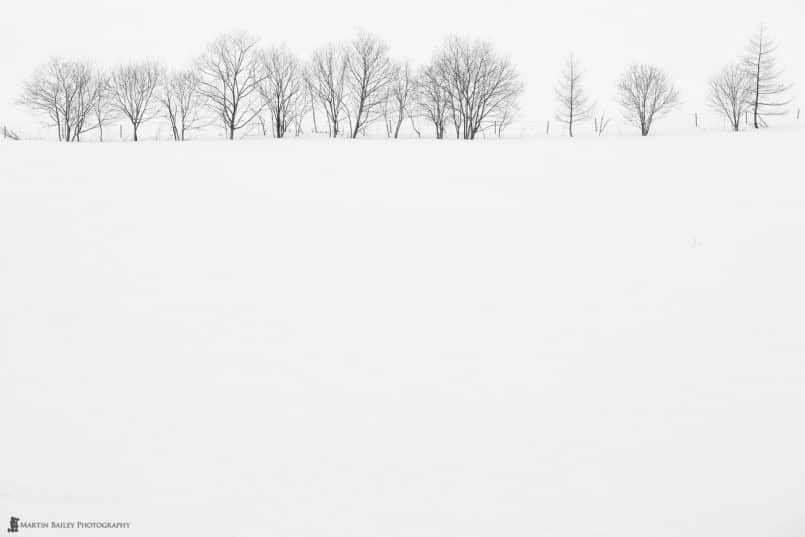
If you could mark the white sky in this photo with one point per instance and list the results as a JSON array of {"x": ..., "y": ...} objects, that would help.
[{"x": 691, "y": 39}]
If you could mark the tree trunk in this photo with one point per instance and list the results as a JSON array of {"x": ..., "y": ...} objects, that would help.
[
  {"x": 358, "y": 115},
  {"x": 313, "y": 110},
  {"x": 279, "y": 131},
  {"x": 757, "y": 90}
]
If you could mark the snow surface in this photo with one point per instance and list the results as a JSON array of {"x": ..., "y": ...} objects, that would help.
[{"x": 564, "y": 338}]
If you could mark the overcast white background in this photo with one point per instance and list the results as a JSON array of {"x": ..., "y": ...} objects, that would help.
[{"x": 691, "y": 39}]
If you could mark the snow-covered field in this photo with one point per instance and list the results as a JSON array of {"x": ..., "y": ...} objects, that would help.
[{"x": 558, "y": 338}]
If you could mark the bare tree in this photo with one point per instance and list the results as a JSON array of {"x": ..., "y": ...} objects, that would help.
[
  {"x": 133, "y": 89},
  {"x": 574, "y": 105},
  {"x": 327, "y": 81},
  {"x": 601, "y": 123},
  {"x": 310, "y": 97},
  {"x": 182, "y": 103},
  {"x": 646, "y": 93},
  {"x": 479, "y": 84},
  {"x": 399, "y": 100},
  {"x": 505, "y": 117},
  {"x": 283, "y": 90},
  {"x": 432, "y": 98},
  {"x": 369, "y": 73},
  {"x": 103, "y": 107},
  {"x": 231, "y": 74},
  {"x": 414, "y": 126},
  {"x": 86, "y": 100},
  {"x": 66, "y": 93},
  {"x": 730, "y": 94},
  {"x": 388, "y": 114},
  {"x": 766, "y": 90}
]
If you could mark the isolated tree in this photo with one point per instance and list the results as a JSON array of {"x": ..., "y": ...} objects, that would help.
[
  {"x": 766, "y": 89},
  {"x": 283, "y": 90},
  {"x": 182, "y": 103},
  {"x": 399, "y": 98},
  {"x": 327, "y": 83},
  {"x": 646, "y": 93},
  {"x": 231, "y": 73},
  {"x": 730, "y": 94},
  {"x": 432, "y": 98},
  {"x": 479, "y": 83},
  {"x": 65, "y": 92},
  {"x": 574, "y": 105},
  {"x": 369, "y": 73},
  {"x": 134, "y": 88}
]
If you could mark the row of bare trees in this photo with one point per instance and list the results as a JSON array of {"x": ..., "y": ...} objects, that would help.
[
  {"x": 347, "y": 88},
  {"x": 236, "y": 85},
  {"x": 750, "y": 85},
  {"x": 67, "y": 93},
  {"x": 78, "y": 98},
  {"x": 467, "y": 85},
  {"x": 645, "y": 93}
]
